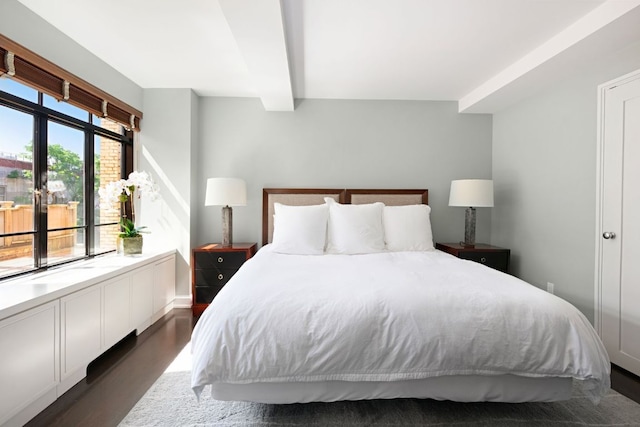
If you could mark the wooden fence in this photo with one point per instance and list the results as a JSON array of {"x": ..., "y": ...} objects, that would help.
[{"x": 15, "y": 219}]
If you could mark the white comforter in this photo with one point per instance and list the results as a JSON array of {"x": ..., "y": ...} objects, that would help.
[{"x": 386, "y": 317}]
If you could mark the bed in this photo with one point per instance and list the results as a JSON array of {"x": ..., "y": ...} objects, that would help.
[{"x": 328, "y": 314}]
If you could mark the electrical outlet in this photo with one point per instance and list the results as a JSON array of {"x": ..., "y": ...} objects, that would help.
[{"x": 551, "y": 287}]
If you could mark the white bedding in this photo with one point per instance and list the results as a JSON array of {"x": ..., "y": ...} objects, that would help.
[{"x": 389, "y": 316}]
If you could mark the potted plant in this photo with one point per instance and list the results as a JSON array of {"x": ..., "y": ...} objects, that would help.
[{"x": 122, "y": 191}]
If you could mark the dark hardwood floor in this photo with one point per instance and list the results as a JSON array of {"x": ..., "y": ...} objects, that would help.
[{"x": 119, "y": 378}]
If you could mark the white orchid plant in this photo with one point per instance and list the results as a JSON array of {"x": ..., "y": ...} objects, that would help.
[{"x": 125, "y": 190}]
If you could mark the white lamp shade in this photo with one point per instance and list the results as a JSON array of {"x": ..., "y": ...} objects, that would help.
[
  {"x": 226, "y": 192},
  {"x": 477, "y": 193}
]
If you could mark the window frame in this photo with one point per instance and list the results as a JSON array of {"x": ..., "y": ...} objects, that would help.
[{"x": 41, "y": 117}]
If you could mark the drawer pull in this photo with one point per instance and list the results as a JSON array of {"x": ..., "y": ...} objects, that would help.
[
  {"x": 220, "y": 259},
  {"x": 220, "y": 276},
  {"x": 483, "y": 260}
]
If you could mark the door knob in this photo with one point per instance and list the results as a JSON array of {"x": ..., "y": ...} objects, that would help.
[{"x": 609, "y": 235}]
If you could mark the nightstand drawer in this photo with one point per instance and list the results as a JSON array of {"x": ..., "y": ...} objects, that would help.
[
  {"x": 206, "y": 294},
  {"x": 491, "y": 256},
  {"x": 497, "y": 260},
  {"x": 220, "y": 259},
  {"x": 213, "y": 277}
]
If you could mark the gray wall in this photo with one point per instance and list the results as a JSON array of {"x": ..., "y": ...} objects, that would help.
[
  {"x": 21, "y": 25},
  {"x": 544, "y": 170},
  {"x": 168, "y": 139},
  {"x": 340, "y": 144}
]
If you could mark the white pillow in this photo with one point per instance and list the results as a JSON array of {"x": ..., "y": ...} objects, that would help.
[
  {"x": 407, "y": 228},
  {"x": 355, "y": 229},
  {"x": 300, "y": 230}
]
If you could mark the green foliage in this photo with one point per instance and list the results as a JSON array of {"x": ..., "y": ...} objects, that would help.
[
  {"x": 64, "y": 165},
  {"x": 129, "y": 229},
  {"x": 16, "y": 174},
  {"x": 67, "y": 166}
]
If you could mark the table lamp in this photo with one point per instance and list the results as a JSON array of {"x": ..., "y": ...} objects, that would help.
[
  {"x": 226, "y": 192},
  {"x": 471, "y": 193}
]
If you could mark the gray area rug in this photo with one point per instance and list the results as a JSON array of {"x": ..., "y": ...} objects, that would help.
[{"x": 171, "y": 402}]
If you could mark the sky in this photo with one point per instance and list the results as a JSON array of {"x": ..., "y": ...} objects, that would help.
[{"x": 16, "y": 128}]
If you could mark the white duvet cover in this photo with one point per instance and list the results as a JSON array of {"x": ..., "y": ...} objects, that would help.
[{"x": 387, "y": 317}]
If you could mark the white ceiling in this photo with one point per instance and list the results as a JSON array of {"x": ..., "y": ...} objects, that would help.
[{"x": 485, "y": 54}]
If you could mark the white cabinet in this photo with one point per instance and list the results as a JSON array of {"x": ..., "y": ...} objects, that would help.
[
  {"x": 164, "y": 287},
  {"x": 142, "y": 298},
  {"x": 28, "y": 363},
  {"x": 96, "y": 318},
  {"x": 116, "y": 302},
  {"x": 81, "y": 331},
  {"x": 45, "y": 349}
]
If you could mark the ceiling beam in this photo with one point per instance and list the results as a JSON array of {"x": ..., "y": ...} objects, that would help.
[
  {"x": 498, "y": 90},
  {"x": 258, "y": 28}
]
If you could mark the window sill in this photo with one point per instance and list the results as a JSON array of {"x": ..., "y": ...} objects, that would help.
[{"x": 26, "y": 292}]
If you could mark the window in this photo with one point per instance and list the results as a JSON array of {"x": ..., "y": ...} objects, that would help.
[{"x": 53, "y": 159}]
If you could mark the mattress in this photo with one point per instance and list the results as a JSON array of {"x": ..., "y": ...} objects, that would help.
[{"x": 335, "y": 325}]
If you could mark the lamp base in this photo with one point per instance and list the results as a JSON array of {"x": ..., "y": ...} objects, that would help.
[
  {"x": 227, "y": 226},
  {"x": 470, "y": 227}
]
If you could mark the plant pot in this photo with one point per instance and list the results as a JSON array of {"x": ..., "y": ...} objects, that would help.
[{"x": 131, "y": 245}]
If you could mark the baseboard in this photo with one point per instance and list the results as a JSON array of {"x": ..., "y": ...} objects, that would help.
[{"x": 182, "y": 301}]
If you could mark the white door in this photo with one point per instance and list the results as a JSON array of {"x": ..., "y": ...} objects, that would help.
[{"x": 619, "y": 227}]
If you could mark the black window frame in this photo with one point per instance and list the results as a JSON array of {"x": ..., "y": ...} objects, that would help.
[{"x": 41, "y": 117}]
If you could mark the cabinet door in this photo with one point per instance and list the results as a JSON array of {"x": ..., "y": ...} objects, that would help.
[
  {"x": 117, "y": 304},
  {"x": 164, "y": 291},
  {"x": 28, "y": 358},
  {"x": 81, "y": 331},
  {"x": 142, "y": 298}
]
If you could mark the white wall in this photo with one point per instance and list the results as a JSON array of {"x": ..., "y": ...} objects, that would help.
[
  {"x": 167, "y": 137},
  {"x": 21, "y": 25},
  {"x": 544, "y": 169},
  {"x": 340, "y": 144},
  {"x": 194, "y": 201}
]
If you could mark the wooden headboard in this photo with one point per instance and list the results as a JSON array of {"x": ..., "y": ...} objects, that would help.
[{"x": 307, "y": 196}]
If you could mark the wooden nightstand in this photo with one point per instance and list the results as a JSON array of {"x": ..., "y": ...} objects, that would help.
[
  {"x": 212, "y": 265},
  {"x": 491, "y": 256}
]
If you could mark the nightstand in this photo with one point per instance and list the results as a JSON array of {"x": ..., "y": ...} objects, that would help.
[
  {"x": 491, "y": 256},
  {"x": 212, "y": 265}
]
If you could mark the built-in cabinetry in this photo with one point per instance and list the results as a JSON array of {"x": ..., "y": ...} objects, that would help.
[
  {"x": 81, "y": 333},
  {"x": 29, "y": 361},
  {"x": 164, "y": 289},
  {"x": 142, "y": 307},
  {"x": 45, "y": 350}
]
